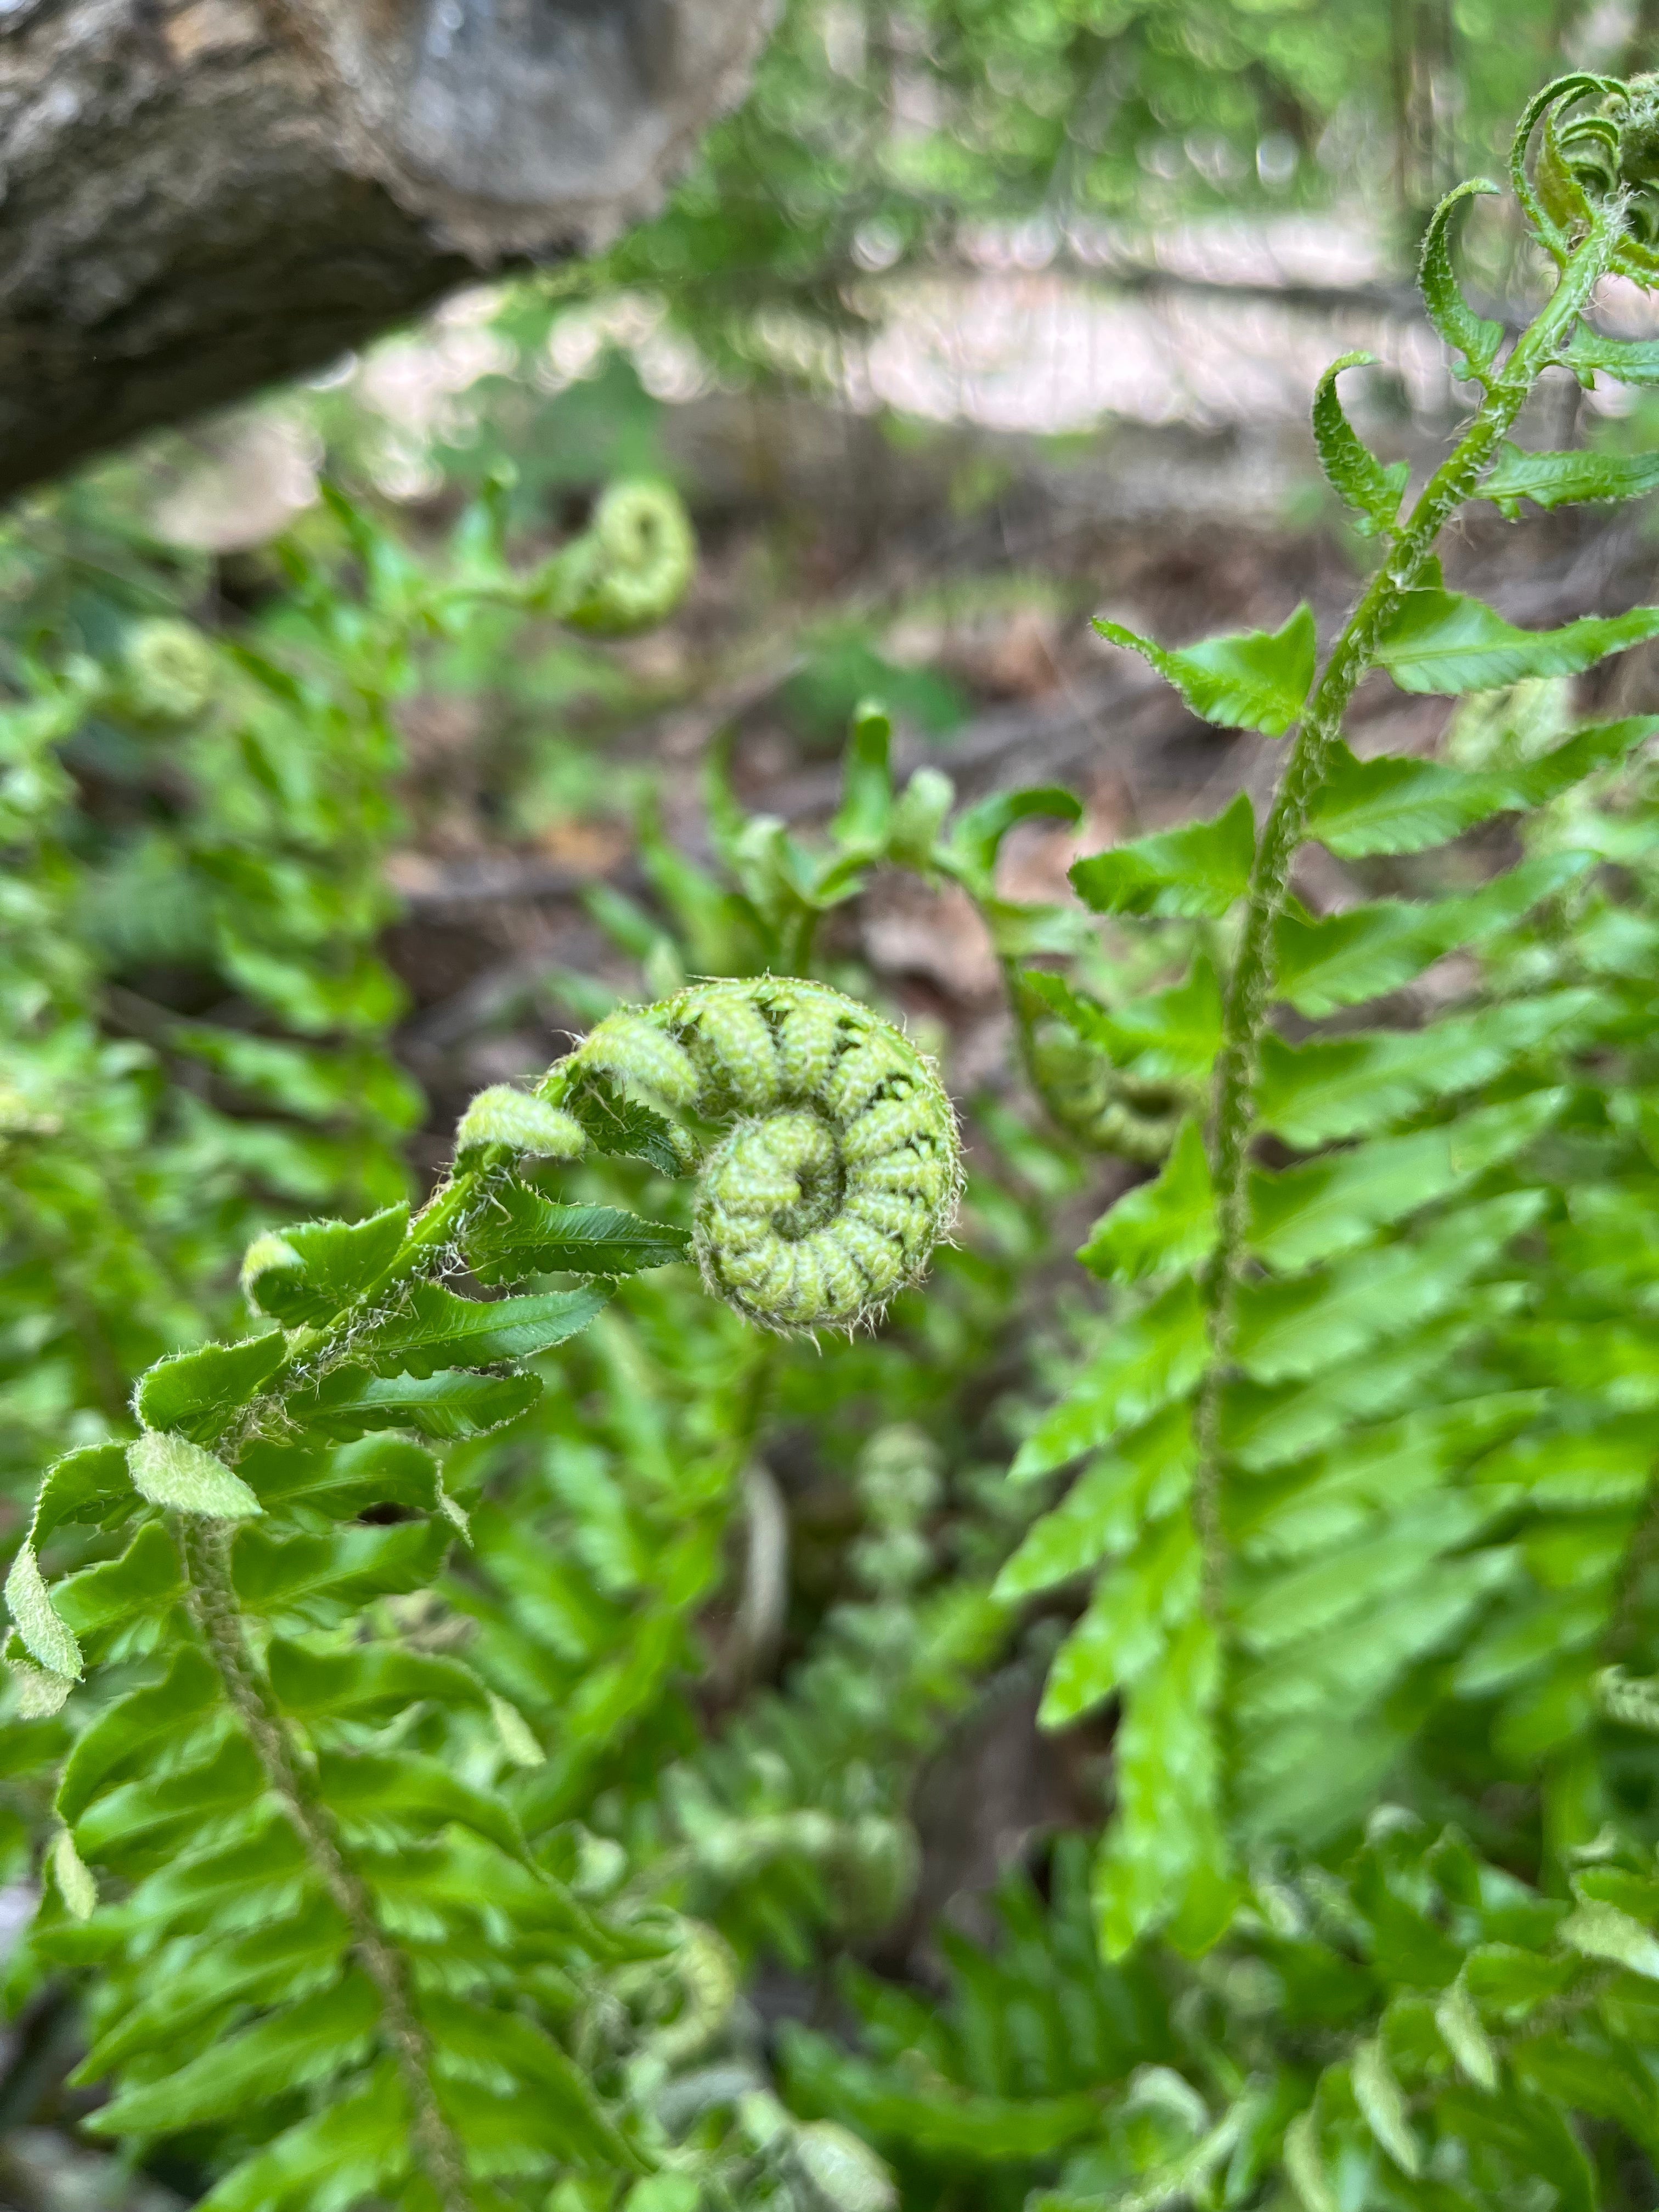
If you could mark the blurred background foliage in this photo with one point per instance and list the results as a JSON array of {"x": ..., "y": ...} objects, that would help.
[{"x": 979, "y": 317}]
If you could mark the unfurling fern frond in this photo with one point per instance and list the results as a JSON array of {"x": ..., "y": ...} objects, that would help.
[
  {"x": 375, "y": 1986},
  {"x": 386, "y": 1854},
  {"x": 840, "y": 1167},
  {"x": 630, "y": 569}
]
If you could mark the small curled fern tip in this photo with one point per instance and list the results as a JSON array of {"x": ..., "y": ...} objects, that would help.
[
  {"x": 834, "y": 1165},
  {"x": 631, "y": 566},
  {"x": 1100, "y": 1106},
  {"x": 169, "y": 674}
]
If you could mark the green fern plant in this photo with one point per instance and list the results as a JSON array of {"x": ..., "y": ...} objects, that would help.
[
  {"x": 313, "y": 1828},
  {"x": 387, "y": 1840},
  {"x": 1330, "y": 1438},
  {"x": 1412, "y": 2027},
  {"x": 631, "y": 1577},
  {"x": 644, "y": 1480}
]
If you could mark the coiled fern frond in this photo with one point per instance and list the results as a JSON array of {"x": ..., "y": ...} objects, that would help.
[
  {"x": 833, "y": 1165},
  {"x": 630, "y": 569},
  {"x": 828, "y": 1165}
]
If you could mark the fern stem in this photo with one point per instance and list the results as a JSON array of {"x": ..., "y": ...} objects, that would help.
[
  {"x": 432, "y": 1235},
  {"x": 205, "y": 1548},
  {"x": 1251, "y": 987}
]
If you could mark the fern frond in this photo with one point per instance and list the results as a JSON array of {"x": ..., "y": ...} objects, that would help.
[{"x": 292, "y": 1774}]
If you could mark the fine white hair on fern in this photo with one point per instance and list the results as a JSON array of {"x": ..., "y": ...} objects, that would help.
[{"x": 836, "y": 1166}]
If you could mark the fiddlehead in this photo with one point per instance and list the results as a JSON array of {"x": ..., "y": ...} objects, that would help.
[
  {"x": 833, "y": 1165},
  {"x": 1098, "y": 1104},
  {"x": 169, "y": 674},
  {"x": 629, "y": 568}
]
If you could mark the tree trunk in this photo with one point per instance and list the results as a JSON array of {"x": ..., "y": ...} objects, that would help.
[{"x": 201, "y": 197}]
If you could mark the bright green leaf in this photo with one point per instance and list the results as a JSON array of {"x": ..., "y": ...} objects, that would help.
[
  {"x": 1304, "y": 2168},
  {"x": 1550, "y": 480},
  {"x": 171, "y": 1472},
  {"x": 977, "y": 835},
  {"x": 1199, "y": 869},
  {"x": 1294, "y": 1326},
  {"x": 366, "y": 1682},
  {"x": 311, "y": 2041},
  {"x": 1165, "y": 1835},
  {"x": 1256, "y": 680},
  {"x": 1145, "y": 1477},
  {"x": 1630, "y": 361},
  {"x": 1166, "y": 1036},
  {"x": 1353, "y": 471},
  {"x": 1349, "y": 1086},
  {"x": 142, "y": 1583},
  {"x": 1343, "y": 958},
  {"x": 1437, "y": 640},
  {"x": 45, "y": 1635},
  {"x": 74, "y": 1883},
  {"x": 1466, "y": 2037},
  {"x": 162, "y": 1811},
  {"x": 571, "y": 2121},
  {"x": 1307, "y": 1213},
  {"x": 431, "y": 1328},
  {"x": 1161, "y": 1226},
  {"x": 1125, "y": 1629},
  {"x": 319, "y": 1578},
  {"x": 866, "y": 779},
  {"x": 312, "y": 1269},
  {"x": 518, "y": 1740},
  {"x": 192, "y": 1391},
  {"x": 520, "y": 1233},
  {"x": 404, "y": 1789},
  {"x": 1467, "y": 333},
  {"x": 1144, "y": 1364},
  {"x": 134, "y": 1728},
  {"x": 358, "y": 2146},
  {"x": 1402, "y": 805},
  {"x": 1602, "y": 1931},
  {"x": 1382, "y": 2103},
  {"x": 90, "y": 1486},
  {"x": 349, "y": 1401}
]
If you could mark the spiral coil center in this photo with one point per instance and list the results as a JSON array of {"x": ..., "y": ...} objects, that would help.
[{"x": 840, "y": 1167}]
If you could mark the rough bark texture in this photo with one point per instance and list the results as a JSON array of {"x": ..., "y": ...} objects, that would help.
[{"x": 199, "y": 197}]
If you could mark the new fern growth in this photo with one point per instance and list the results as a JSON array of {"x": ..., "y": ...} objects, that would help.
[
  {"x": 130, "y": 1166},
  {"x": 843, "y": 1168},
  {"x": 368, "y": 1969}
]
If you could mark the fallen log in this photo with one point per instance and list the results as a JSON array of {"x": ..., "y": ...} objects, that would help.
[{"x": 201, "y": 197}]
